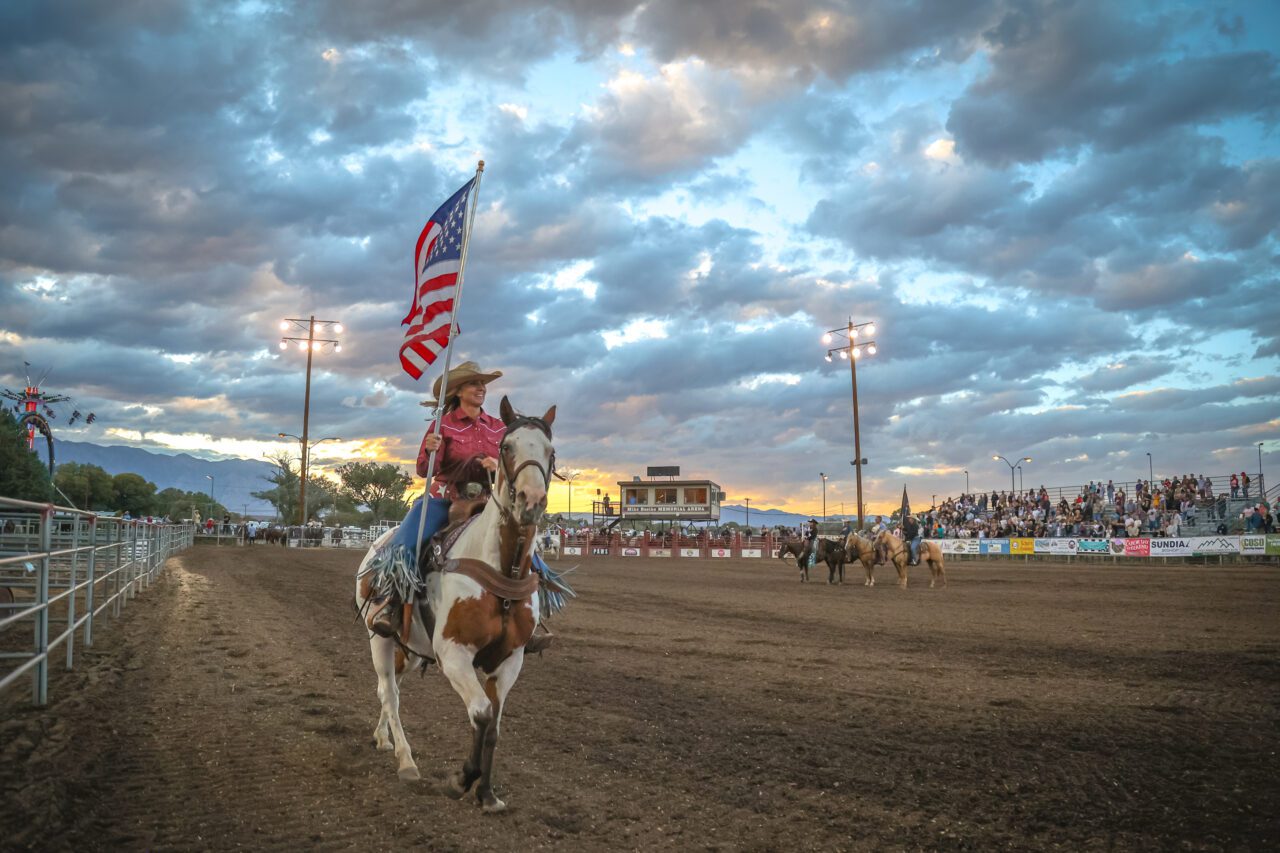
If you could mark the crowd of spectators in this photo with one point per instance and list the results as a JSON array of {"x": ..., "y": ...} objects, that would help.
[{"x": 1163, "y": 508}]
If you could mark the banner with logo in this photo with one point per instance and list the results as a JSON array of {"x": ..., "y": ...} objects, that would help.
[
  {"x": 1022, "y": 546},
  {"x": 1211, "y": 546},
  {"x": 631, "y": 552},
  {"x": 1095, "y": 546},
  {"x": 1137, "y": 547},
  {"x": 1253, "y": 545},
  {"x": 993, "y": 546},
  {"x": 721, "y": 552},
  {"x": 1273, "y": 545},
  {"x": 751, "y": 552},
  {"x": 690, "y": 552},
  {"x": 1061, "y": 547},
  {"x": 1174, "y": 546},
  {"x": 572, "y": 551},
  {"x": 599, "y": 550}
]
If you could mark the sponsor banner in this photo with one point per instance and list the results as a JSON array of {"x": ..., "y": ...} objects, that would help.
[
  {"x": 1095, "y": 546},
  {"x": 721, "y": 552},
  {"x": 1174, "y": 546},
  {"x": 663, "y": 509},
  {"x": 751, "y": 552},
  {"x": 1206, "y": 546},
  {"x": 690, "y": 552},
  {"x": 1253, "y": 545},
  {"x": 1022, "y": 546},
  {"x": 993, "y": 546},
  {"x": 1041, "y": 546},
  {"x": 1060, "y": 547},
  {"x": 1273, "y": 545},
  {"x": 1137, "y": 547},
  {"x": 572, "y": 551},
  {"x": 958, "y": 546},
  {"x": 659, "y": 552},
  {"x": 599, "y": 550},
  {"x": 774, "y": 553},
  {"x": 631, "y": 552}
]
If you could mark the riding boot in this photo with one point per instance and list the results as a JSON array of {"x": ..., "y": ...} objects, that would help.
[
  {"x": 539, "y": 642},
  {"x": 385, "y": 615}
]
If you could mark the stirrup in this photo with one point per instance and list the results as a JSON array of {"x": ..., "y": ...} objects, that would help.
[
  {"x": 383, "y": 620},
  {"x": 539, "y": 643}
]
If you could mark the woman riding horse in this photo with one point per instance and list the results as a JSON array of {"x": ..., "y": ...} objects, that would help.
[{"x": 466, "y": 432}]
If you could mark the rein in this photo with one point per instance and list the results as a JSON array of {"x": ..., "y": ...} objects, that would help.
[{"x": 509, "y": 480}]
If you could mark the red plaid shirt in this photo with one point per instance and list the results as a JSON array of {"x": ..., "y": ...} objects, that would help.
[{"x": 464, "y": 437}]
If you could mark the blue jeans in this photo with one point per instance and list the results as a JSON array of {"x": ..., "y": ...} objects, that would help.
[
  {"x": 437, "y": 516},
  {"x": 395, "y": 567},
  {"x": 915, "y": 549}
]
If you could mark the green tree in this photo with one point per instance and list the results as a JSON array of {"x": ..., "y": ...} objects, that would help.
[
  {"x": 283, "y": 494},
  {"x": 178, "y": 504},
  {"x": 133, "y": 494},
  {"x": 87, "y": 486},
  {"x": 22, "y": 474},
  {"x": 380, "y": 486}
]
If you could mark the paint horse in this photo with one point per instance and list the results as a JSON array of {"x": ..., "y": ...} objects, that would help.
[
  {"x": 486, "y": 605},
  {"x": 899, "y": 553},
  {"x": 830, "y": 552}
]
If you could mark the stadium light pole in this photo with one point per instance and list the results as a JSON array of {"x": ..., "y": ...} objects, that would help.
[
  {"x": 569, "y": 475},
  {"x": 1262, "y": 484},
  {"x": 748, "y": 501},
  {"x": 1150, "y": 471},
  {"x": 966, "y": 481},
  {"x": 310, "y": 343},
  {"x": 1013, "y": 486},
  {"x": 852, "y": 350},
  {"x": 824, "y": 495},
  {"x": 212, "y": 483}
]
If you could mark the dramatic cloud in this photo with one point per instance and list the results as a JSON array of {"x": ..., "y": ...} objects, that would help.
[{"x": 1061, "y": 215}]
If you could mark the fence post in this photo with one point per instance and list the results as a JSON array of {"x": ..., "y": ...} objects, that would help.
[
  {"x": 88, "y": 596},
  {"x": 40, "y": 677},
  {"x": 71, "y": 590}
]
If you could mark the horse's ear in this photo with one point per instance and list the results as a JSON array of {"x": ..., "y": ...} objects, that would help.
[
  {"x": 550, "y": 417},
  {"x": 504, "y": 409}
]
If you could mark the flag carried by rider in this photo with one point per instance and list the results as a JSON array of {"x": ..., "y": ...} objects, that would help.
[{"x": 438, "y": 262}]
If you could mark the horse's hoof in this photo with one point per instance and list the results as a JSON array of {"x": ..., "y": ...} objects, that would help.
[
  {"x": 384, "y": 746},
  {"x": 409, "y": 774},
  {"x": 456, "y": 787},
  {"x": 491, "y": 804}
]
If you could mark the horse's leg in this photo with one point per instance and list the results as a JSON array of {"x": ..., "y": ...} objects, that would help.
[
  {"x": 457, "y": 664},
  {"x": 384, "y": 662},
  {"x": 900, "y": 563},
  {"x": 496, "y": 688}
]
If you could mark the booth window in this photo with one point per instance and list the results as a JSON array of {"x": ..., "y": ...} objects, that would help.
[
  {"x": 664, "y": 496},
  {"x": 637, "y": 496},
  {"x": 695, "y": 496}
]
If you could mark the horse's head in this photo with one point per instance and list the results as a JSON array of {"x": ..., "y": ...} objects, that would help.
[{"x": 526, "y": 460}]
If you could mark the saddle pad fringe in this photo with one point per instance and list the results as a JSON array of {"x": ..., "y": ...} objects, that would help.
[{"x": 554, "y": 591}]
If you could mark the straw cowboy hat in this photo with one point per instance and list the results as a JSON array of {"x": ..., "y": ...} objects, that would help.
[{"x": 466, "y": 372}]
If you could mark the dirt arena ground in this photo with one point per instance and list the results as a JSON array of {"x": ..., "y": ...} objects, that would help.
[{"x": 689, "y": 705}]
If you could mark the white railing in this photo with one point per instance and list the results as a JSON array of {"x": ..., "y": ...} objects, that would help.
[{"x": 62, "y": 568}]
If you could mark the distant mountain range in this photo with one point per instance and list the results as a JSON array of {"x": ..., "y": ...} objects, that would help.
[{"x": 233, "y": 479}]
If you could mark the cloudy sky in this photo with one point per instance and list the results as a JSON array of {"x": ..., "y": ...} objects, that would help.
[{"x": 1062, "y": 216}]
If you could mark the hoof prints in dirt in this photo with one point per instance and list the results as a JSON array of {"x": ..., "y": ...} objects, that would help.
[{"x": 694, "y": 705}]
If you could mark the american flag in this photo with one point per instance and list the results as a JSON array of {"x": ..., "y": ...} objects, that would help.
[{"x": 436, "y": 261}]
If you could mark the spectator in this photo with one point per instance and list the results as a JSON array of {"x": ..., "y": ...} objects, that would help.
[
  {"x": 1244, "y": 485},
  {"x": 1235, "y": 487}
]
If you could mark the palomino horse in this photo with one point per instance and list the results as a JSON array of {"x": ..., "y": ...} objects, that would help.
[
  {"x": 864, "y": 551},
  {"x": 830, "y": 552},
  {"x": 899, "y": 554},
  {"x": 486, "y": 606}
]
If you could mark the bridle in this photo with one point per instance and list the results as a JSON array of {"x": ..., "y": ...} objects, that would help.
[{"x": 518, "y": 423}]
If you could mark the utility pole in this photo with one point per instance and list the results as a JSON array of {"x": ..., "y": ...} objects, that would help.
[{"x": 309, "y": 344}]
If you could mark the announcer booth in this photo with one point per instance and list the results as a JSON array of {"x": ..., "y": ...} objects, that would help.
[{"x": 663, "y": 496}]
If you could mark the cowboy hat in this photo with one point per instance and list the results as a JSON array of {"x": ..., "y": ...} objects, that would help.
[{"x": 466, "y": 372}]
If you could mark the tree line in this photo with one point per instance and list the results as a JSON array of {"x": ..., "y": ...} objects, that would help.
[{"x": 366, "y": 492}]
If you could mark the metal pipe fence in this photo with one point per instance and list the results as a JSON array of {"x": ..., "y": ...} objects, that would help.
[{"x": 61, "y": 568}]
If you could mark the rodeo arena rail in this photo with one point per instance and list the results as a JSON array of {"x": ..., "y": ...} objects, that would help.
[
  {"x": 61, "y": 568},
  {"x": 1262, "y": 547}
]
